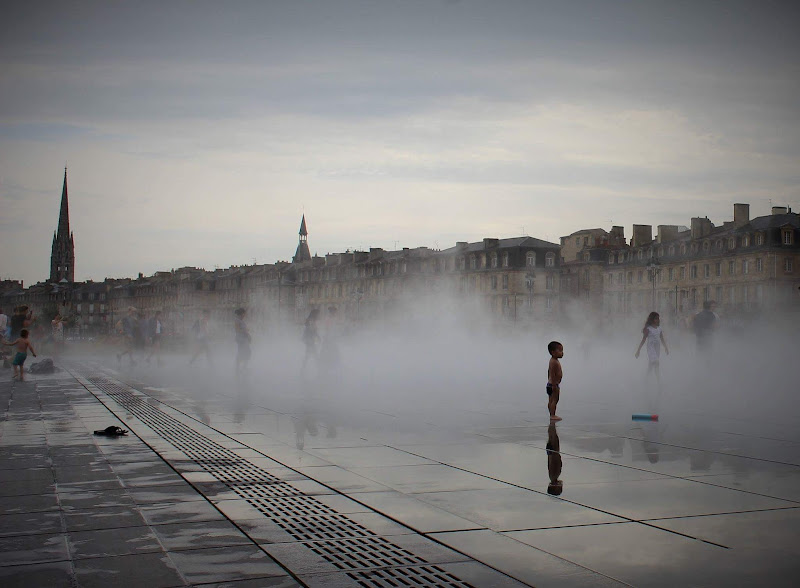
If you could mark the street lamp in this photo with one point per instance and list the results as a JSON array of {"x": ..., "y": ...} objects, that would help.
[{"x": 654, "y": 268}]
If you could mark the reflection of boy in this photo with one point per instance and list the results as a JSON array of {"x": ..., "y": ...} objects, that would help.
[
  {"x": 704, "y": 324},
  {"x": 554, "y": 375},
  {"x": 554, "y": 461}
]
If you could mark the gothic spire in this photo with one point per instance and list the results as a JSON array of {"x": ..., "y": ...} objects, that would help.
[
  {"x": 303, "y": 231},
  {"x": 63, "y": 216},
  {"x": 302, "y": 253}
]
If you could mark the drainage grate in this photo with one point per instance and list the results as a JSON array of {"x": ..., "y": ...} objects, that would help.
[{"x": 370, "y": 560}]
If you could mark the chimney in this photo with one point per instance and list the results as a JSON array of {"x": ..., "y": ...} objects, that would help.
[
  {"x": 701, "y": 227},
  {"x": 462, "y": 245},
  {"x": 667, "y": 233},
  {"x": 642, "y": 235},
  {"x": 141, "y": 275},
  {"x": 778, "y": 210},
  {"x": 617, "y": 236},
  {"x": 741, "y": 215},
  {"x": 489, "y": 242}
]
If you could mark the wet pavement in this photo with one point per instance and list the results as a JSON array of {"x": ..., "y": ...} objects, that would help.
[{"x": 226, "y": 484}]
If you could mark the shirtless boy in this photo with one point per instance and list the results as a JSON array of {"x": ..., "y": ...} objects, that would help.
[
  {"x": 554, "y": 375},
  {"x": 22, "y": 345}
]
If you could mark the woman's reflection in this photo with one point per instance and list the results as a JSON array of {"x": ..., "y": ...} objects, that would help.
[{"x": 554, "y": 461}]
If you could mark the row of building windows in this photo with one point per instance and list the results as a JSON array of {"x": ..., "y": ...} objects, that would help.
[
  {"x": 746, "y": 265},
  {"x": 787, "y": 238}
]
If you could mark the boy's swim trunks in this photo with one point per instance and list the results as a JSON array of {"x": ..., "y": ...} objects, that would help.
[
  {"x": 549, "y": 388},
  {"x": 19, "y": 358}
]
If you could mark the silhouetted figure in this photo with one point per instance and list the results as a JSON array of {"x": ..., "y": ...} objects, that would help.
[
  {"x": 553, "y": 448},
  {"x": 243, "y": 340},
  {"x": 200, "y": 333},
  {"x": 311, "y": 336},
  {"x": 704, "y": 324}
]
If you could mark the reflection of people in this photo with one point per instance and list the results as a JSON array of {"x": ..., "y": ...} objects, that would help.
[
  {"x": 704, "y": 324},
  {"x": 654, "y": 337},
  {"x": 554, "y": 375},
  {"x": 311, "y": 336},
  {"x": 242, "y": 340},
  {"x": 555, "y": 486}
]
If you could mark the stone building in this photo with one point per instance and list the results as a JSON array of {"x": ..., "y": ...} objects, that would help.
[{"x": 746, "y": 265}]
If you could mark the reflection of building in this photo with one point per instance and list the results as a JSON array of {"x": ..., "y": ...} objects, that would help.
[{"x": 746, "y": 265}]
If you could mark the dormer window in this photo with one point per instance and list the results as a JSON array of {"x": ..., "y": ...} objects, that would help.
[
  {"x": 787, "y": 237},
  {"x": 672, "y": 249},
  {"x": 719, "y": 245},
  {"x": 610, "y": 259},
  {"x": 759, "y": 238},
  {"x": 505, "y": 259},
  {"x": 732, "y": 243},
  {"x": 683, "y": 249},
  {"x": 746, "y": 241},
  {"x": 530, "y": 259},
  {"x": 706, "y": 246},
  {"x": 550, "y": 259},
  {"x": 494, "y": 260}
]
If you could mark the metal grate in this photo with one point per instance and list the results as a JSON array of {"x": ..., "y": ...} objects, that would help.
[{"x": 370, "y": 560}]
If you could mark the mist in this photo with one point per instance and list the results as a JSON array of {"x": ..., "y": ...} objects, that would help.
[{"x": 448, "y": 371}]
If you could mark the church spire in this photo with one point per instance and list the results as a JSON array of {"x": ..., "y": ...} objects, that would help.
[
  {"x": 62, "y": 257},
  {"x": 63, "y": 216},
  {"x": 302, "y": 253}
]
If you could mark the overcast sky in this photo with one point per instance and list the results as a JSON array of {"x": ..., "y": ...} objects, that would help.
[{"x": 197, "y": 133}]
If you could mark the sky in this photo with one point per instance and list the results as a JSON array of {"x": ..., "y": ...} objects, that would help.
[{"x": 198, "y": 133}]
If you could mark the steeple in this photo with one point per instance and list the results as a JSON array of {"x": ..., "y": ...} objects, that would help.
[
  {"x": 302, "y": 253},
  {"x": 62, "y": 257}
]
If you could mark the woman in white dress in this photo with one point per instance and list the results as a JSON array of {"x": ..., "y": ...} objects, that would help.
[{"x": 654, "y": 337}]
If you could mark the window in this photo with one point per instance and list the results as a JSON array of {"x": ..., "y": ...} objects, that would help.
[
  {"x": 640, "y": 254},
  {"x": 706, "y": 246},
  {"x": 706, "y": 271},
  {"x": 732, "y": 243},
  {"x": 505, "y": 281},
  {"x": 706, "y": 293},
  {"x": 661, "y": 252},
  {"x": 732, "y": 295},
  {"x": 494, "y": 259},
  {"x": 694, "y": 272},
  {"x": 639, "y": 276},
  {"x": 746, "y": 241},
  {"x": 719, "y": 245},
  {"x": 610, "y": 259},
  {"x": 672, "y": 249},
  {"x": 788, "y": 237},
  {"x": 473, "y": 262},
  {"x": 787, "y": 265},
  {"x": 530, "y": 259},
  {"x": 577, "y": 241},
  {"x": 695, "y": 247},
  {"x": 745, "y": 266},
  {"x": 550, "y": 259},
  {"x": 759, "y": 238},
  {"x": 549, "y": 303},
  {"x": 683, "y": 249},
  {"x": 505, "y": 259},
  {"x": 759, "y": 265},
  {"x": 671, "y": 272},
  {"x": 549, "y": 282},
  {"x": 586, "y": 277},
  {"x": 683, "y": 272},
  {"x": 630, "y": 277},
  {"x": 718, "y": 268},
  {"x": 731, "y": 267},
  {"x": 494, "y": 282},
  {"x": 719, "y": 293},
  {"x": 483, "y": 261}
]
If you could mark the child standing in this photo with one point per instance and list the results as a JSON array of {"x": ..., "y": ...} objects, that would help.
[
  {"x": 22, "y": 346},
  {"x": 554, "y": 375},
  {"x": 654, "y": 337}
]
